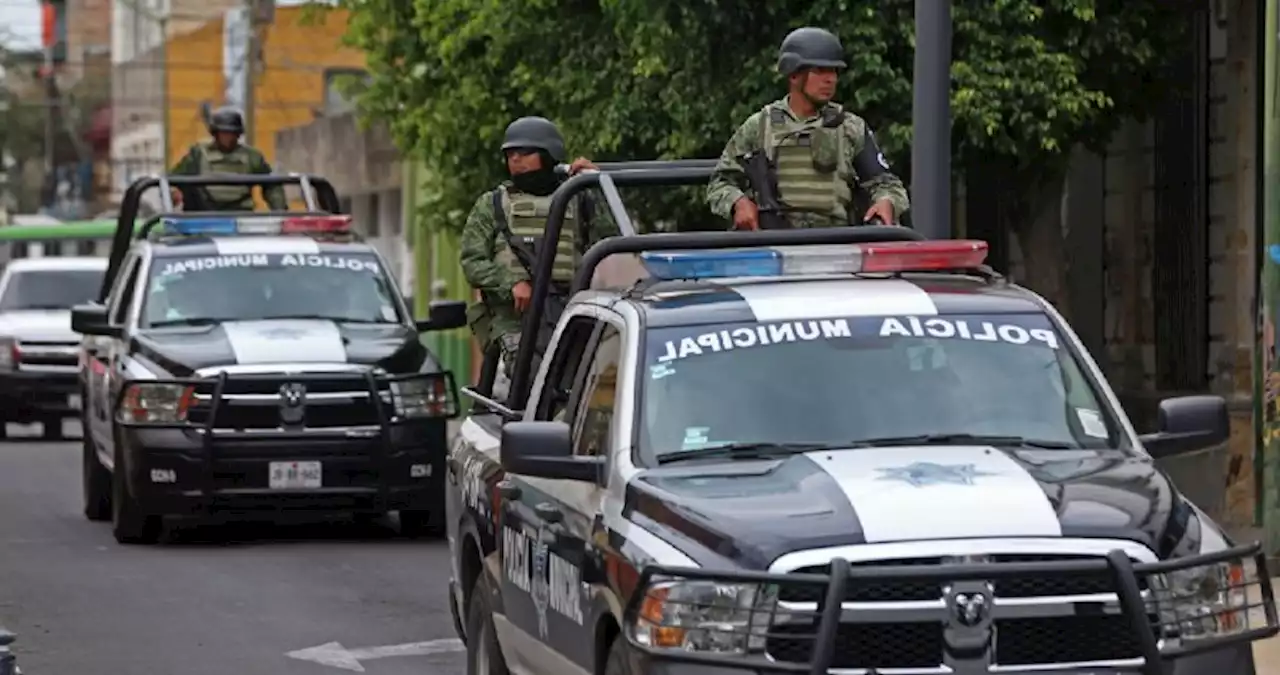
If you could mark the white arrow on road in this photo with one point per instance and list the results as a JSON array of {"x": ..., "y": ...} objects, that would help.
[{"x": 335, "y": 655}]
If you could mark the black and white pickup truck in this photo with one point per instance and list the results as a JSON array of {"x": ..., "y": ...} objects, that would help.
[
  {"x": 844, "y": 450},
  {"x": 250, "y": 362}
]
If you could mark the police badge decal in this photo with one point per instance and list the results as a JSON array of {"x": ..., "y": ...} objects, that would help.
[{"x": 541, "y": 586}]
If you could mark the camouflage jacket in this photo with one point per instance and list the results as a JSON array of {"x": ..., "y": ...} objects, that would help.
[
  {"x": 255, "y": 162},
  {"x": 729, "y": 181},
  {"x": 482, "y": 240}
]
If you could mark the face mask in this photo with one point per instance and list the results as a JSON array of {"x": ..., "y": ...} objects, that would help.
[{"x": 541, "y": 182}]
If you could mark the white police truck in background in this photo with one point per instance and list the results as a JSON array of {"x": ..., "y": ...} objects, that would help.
[{"x": 845, "y": 451}]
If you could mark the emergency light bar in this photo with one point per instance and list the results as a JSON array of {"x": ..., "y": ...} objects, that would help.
[
  {"x": 208, "y": 227},
  {"x": 885, "y": 257}
]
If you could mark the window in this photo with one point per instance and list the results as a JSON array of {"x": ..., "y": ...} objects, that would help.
[
  {"x": 50, "y": 289},
  {"x": 558, "y": 385},
  {"x": 851, "y": 379},
  {"x": 598, "y": 387},
  {"x": 122, "y": 291}
]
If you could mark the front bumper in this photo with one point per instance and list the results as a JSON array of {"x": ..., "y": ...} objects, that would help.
[
  {"x": 28, "y": 393},
  {"x": 1153, "y": 626},
  {"x": 217, "y": 466}
]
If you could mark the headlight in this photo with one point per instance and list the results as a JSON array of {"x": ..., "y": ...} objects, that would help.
[
  {"x": 8, "y": 353},
  {"x": 1206, "y": 601},
  {"x": 155, "y": 403},
  {"x": 706, "y": 616},
  {"x": 423, "y": 397}
]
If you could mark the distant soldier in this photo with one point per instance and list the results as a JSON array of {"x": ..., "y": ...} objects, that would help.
[
  {"x": 224, "y": 153},
  {"x": 815, "y": 151},
  {"x": 506, "y": 228}
]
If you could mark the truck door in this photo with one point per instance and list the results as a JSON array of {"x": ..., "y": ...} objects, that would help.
[
  {"x": 529, "y": 517},
  {"x": 102, "y": 356}
]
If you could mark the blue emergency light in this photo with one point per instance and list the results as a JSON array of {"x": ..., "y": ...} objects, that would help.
[
  {"x": 231, "y": 226},
  {"x": 886, "y": 257}
]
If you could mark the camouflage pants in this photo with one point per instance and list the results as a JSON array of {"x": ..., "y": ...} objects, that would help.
[{"x": 509, "y": 346}]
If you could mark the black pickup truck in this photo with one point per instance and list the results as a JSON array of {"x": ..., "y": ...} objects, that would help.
[{"x": 242, "y": 363}]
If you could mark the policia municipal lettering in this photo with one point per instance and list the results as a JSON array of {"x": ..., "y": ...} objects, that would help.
[
  {"x": 505, "y": 229},
  {"x": 224, "y": 153},
  {"x": 797, "y": 162}
]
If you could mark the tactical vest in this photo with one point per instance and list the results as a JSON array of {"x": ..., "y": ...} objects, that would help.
[
  {"x": 213, "y": 160},
  {"x": 811, "y": 161},
  {"x": 526, "y": 216}
]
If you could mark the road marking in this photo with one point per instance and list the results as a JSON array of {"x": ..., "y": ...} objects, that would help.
[{"x": 333, "y": 654}]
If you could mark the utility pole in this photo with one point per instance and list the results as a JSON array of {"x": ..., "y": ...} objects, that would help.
[
  {"x": 250, "y": 68},
  {"x": 51, "y": 96},
  {"x": 931, "y": 119}
]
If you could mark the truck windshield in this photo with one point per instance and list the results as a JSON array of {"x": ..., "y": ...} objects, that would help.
[
  {"x": 192, "y": 290},
  {"x": 49, "y": 289},
  {"x": 845, "y": 380}
]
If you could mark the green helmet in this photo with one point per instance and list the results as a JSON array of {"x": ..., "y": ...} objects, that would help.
[
  {"x": 810, "y": 48},
  {"x": 226, "y": 119},
  {"x": 535, "y": 132}
]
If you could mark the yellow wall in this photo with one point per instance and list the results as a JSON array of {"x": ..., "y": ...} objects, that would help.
[{"x": 287, "y": 92}]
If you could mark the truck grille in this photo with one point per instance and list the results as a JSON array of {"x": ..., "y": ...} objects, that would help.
[
  {"x": 48, "y": 353},
  {"x": 340, "y": 400},
  {"x": 1068, "y": 638}
]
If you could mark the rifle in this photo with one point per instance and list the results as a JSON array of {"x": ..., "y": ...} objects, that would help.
[{"x": 764, "y": 183}]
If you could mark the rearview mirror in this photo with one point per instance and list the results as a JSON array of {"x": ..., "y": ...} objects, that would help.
[
  {"x": 544, "y": 450},
  {"x": 92, "y": 320},
  {"x": 1187, "y": 424},
  {"x": 444, "y": 315}
]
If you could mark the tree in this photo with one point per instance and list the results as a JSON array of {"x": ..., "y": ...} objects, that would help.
[{"x": 671, "y": 78}]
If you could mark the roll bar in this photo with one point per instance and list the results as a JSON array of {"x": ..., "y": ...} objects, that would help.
[
  {"x": 317, "y": 192},
  {"x": 641, "y": 174}
]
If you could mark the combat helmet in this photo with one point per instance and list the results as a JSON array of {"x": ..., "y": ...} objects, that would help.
[
  {"x": 535, "y": 132},
  {"x": 810, "y": 47}
]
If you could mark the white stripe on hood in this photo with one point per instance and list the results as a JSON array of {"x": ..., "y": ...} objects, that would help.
[
  {"x": 914, "y": 493},
  {"x": 285, "y": 341}
]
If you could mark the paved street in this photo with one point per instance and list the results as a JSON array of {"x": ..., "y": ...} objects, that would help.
[{"x": 213, "y": 601}]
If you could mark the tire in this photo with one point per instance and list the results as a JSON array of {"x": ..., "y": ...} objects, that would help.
[
  {"x": 421, "y": 524},
  {"x": 96, "y": 481},
  {"x": 51, "y": 429},
  {"x": 618, "y": 663},
  {"x": 129, "y": 523},
  {"x": 484, "y": 654}
]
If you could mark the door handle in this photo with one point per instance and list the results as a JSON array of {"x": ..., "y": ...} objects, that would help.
[
  {"x": 549, "y": 512},
  {"x": 509, "y": 490}
]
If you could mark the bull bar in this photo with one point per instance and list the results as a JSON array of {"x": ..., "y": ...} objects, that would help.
[
  {"x": 1159, "y": 638},
  {"x": 381, "y": 388}
]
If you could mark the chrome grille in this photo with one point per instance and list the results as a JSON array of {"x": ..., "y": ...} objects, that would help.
[
  {"x": 337, "y": 400},
  {"x": 1072, "y": 620},
  {"x": 48, "y": 353}
]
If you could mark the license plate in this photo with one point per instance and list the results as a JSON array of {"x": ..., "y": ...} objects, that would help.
[
  {"x": 295, "y": 475},
  {"x": 73, "y": 401}
]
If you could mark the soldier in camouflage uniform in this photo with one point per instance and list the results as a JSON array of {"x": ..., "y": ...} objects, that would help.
[
  {"x": 224, "y": 153},
  {"x": 820, "y": 151},
  {"x": 515, "y": 213}
]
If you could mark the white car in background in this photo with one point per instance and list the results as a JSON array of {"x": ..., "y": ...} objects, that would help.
[{"x": 39, "y": 353}]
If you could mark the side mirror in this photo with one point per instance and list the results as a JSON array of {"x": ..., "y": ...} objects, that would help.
[
  {"x": 92, "y": 320},
  {"x": 445, "y": 315},
  {"x": 544, "y": 450},
  {"x": 1187, "y": 424}
]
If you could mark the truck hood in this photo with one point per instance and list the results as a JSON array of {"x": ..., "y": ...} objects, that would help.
[
  {"x": 183, "y": 350},
  {"x": 752, "y": 511},
  {"x": 42, "y": 325}
]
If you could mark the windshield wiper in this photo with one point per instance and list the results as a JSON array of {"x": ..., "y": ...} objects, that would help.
[
  {"x": 318, "y": 317},
  {"x": 188, "y": 321},
  {"x": 961, "y": 439},
  {"x": 743, "y": 451}
]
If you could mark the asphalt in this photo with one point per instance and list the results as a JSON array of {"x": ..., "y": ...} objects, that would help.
[{"x": 211, "y": 600}]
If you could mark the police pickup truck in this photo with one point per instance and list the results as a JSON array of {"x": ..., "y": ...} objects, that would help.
[
  {"x": 258, "y": 362},
  {"x": 844, "y": 450}
]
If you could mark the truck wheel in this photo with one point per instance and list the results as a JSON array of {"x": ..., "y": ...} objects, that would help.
[
  {"x": 51, "y": 428},
  {"x": 421, "y": 524},
  {"x": 618, "y": 663},
  {"x": 484, "y": 655},
  {"x": 97, "y": 483},
  {"x": 129, "y": 523}
]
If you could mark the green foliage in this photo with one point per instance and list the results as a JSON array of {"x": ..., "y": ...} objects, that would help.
[{"x": 641, "y": 79}]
